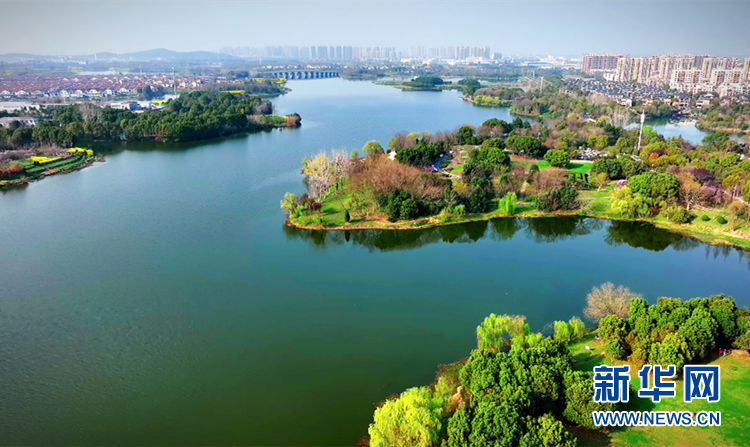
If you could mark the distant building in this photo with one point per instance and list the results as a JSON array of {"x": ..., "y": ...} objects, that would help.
[
  {"x": 600, "y": 63},
  {"x": 18, "y": 121}
]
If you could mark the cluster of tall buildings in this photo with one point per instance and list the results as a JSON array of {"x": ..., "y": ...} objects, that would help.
[
  {"x": 349, "y": 53},
  {"x": 683, "y": 72}
]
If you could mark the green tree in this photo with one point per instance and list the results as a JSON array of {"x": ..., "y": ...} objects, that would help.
[
  {"x": 612, "y": 327},
  {"x": 527, "y": 144},
  {"x": 579, "y": 399},
  {"x": 479, "y": 201},
  {"x": 630, "y": 204},
  {"x": 496, "y": 331},
  {"x": 412, "y": 420},
  {"x": 289, "y": 202},
  {"x": 546, "y": 431},
  {"x": 465, "y": 135},
  {"x": 577, "y": 327},
  {"x": 700, "y": 331},
  {"x": 558, "y": 159},
  {"x": 373, "y": 148},
  {"x": 562, "y": 331}
]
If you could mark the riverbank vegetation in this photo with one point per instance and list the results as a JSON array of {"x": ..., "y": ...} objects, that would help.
[
  {"x": 33, "y": 166},
  {"x": 730, "y": 117},
  {"x": 191, "y": 117},
  {"x": 696, "y": 190},
  {"x": 536, "y": 389}
]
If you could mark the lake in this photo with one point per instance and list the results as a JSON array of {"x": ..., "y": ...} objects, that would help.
[{"x": 158, "y": 298}]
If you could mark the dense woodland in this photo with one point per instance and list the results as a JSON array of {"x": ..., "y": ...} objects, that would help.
[
  {"x": 520, "y": 388},
  {"x": 192, "y": 116}
]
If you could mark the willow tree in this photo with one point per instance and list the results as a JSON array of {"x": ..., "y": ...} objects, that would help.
[{"x": 497, "y": 331}]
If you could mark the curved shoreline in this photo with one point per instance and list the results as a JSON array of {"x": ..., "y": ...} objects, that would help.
[{"x": 432, "y": 222}]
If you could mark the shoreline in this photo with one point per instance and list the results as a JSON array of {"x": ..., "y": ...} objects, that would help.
[{"x": 431, "y": 222}]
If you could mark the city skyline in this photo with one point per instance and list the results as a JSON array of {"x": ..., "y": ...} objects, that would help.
[{"x": 530, "y": 27}]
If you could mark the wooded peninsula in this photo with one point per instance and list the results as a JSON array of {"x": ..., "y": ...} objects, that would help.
[
  {"x": 29, "y": 153},
  {"x": 564, "y": 166}
]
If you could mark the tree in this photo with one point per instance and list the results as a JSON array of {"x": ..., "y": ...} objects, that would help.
[
  {"x": 610, "y": 166},
  {"x": 496, "y": 331},
  {"x": 459, "y": 428},
  {"x": 691, "y": 192},
  {"x": 560, "y": 198},
  {"x": 608, "y": 299},
  {"x": 579, "y": 399},
  {"x": 562, "y": 331},
  {"x": 700, "y": 331},
  {"x": 412, "y": 420},
  {"x": 630, "y": 204},
  {"x": 497, "y": 143},
  {"x": 600, "y": 180},
  {"x": 527, "y": 144},
  {"x": 657, "y": 186},
  {"x": 354, "y": 155},
  {"x": 577, "y": 327},
  {"x": 546, "y": 431},
  {"x": 509, "y": 204},
  {"x": 465, "y": 135},
  {"x": 673, "y": 350},
  {"x": 557, "y": 158},
  {"x": 479, "y": 201},
  {"x": 612, "y": 328},
  {"x": 373, "y": 148},
  {"x": 289, "y": 202}
]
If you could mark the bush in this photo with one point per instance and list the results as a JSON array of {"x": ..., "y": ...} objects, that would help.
[
  {"x": 705, "y": 218},
  {"x": 558, "y": 159},
  {"x": 721, "y": 220},
  {"x": 676, "y": 214},
  {"x": 554, "y": 199}
]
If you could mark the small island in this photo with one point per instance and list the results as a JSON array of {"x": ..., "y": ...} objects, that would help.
[
  {"x": 566, "y": 166},
  {"x": 42, "y": 147}
]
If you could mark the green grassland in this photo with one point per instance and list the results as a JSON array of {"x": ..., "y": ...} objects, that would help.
[{"x": 734, "y": 406}]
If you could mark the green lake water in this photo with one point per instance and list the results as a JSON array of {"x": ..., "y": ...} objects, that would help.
[{"x": 157, "y": 298}]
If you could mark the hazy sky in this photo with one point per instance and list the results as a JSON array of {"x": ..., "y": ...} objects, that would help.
[{"x": 510, "y": 27}]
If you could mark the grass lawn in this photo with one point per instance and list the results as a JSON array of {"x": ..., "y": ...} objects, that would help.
[
  {"x": 734, "y": 406},
  {"x": 580, "y": 168}
]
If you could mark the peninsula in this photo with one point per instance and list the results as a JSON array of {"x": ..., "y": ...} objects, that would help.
[{"x": 568, "y": 166}]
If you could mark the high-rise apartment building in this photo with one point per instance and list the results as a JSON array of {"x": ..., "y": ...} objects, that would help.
[{"x": 599, "y": 63}]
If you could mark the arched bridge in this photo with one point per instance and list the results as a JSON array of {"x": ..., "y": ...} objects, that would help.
[{"x": 302, "y": 74}]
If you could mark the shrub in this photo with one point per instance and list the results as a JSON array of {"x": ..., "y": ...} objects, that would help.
[
  {"x": 459, "y": 210},
  {"x": 676, "y": 214},
  {"x": 705, "y": 218},
  {"x": 721, "y": 220},
  {"x": 562, "y": 198},
  {"x": 347, "y": 217}
]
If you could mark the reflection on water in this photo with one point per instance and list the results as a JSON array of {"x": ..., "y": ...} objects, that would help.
[{"x": 541, "y": 230}]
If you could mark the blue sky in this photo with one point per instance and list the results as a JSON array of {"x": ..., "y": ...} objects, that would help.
[{"x": 510, "y": 27}]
